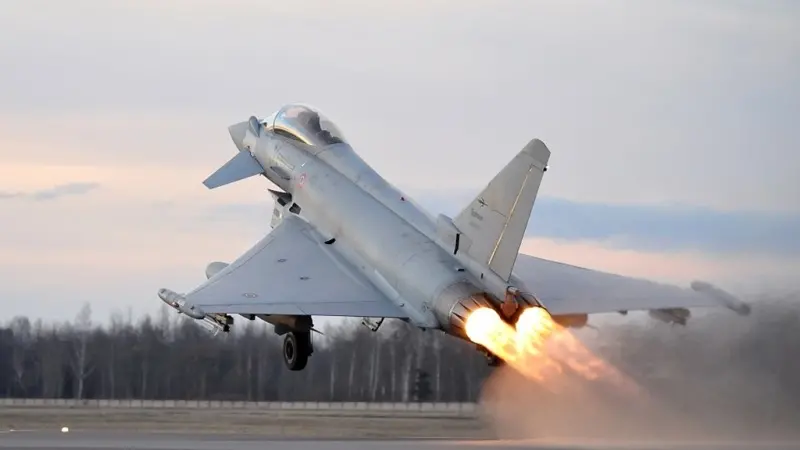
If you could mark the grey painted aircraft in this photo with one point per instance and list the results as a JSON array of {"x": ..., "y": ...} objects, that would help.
[{"x": 345, "y": 242}]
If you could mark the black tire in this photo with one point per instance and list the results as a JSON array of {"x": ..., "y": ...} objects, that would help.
[{"x": 296, "y": 350}]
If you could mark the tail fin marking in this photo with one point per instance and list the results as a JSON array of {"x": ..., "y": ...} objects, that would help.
[{"x": 495, "y": 222}]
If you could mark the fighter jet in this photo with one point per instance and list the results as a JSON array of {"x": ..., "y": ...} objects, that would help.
[{"x": 346, "y": 242}]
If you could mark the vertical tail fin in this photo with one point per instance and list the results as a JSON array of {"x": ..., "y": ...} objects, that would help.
[{"x": 495, "y": 222}]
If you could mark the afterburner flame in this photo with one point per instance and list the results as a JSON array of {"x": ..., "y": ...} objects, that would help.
[
  {"x": 486, "y": 328},
  {"x": 481, "y": 324},
  {"x": 539, "y": 348}
]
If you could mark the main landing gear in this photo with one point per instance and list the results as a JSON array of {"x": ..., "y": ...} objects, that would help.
[{"x": 296, "y": 349}]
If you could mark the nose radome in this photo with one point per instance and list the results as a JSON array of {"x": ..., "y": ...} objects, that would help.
[{"x": 238, "y": 132}]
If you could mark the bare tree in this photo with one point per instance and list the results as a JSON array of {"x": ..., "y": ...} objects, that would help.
[
  {"x": 20, "y": 360},
  {"x": 81, "y": 357}
]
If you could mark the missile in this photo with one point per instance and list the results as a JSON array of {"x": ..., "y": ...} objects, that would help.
[
  {"x": 730, "y": 302},
  {"x": 179, "y": 302},
  {"x": 210, "y": 325}
]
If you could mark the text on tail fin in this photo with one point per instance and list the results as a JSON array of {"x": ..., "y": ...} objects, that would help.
[{"x": 494, "y": 222}]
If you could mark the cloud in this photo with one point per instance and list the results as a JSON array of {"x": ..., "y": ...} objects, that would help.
[
  {"x": 62, "y": 190},
  {"x": 658, "y": 228},
  {"x": 736, "y": 273},
  {"x": 643, "y": 228},
  {"x": 667, "y": 228}
]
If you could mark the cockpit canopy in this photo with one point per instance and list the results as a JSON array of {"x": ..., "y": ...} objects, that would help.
[{"x": 305, "y": 124}]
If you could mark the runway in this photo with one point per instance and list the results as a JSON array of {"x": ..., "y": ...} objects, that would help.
[{"x": 162, "y": 441}]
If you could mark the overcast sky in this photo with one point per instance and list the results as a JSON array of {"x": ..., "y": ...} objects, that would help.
[{"x": 673, "y": 127}]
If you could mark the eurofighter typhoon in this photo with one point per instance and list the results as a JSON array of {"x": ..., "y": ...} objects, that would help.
[{"x": 346, "y": 242}]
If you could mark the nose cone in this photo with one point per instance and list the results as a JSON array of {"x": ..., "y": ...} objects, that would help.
[{"x": 238, "y": 133}]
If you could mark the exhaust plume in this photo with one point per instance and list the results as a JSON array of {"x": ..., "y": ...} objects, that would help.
[{"x": 720, "y": 377}]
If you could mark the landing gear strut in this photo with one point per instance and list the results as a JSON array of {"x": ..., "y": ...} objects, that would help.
[{"x": 297, "y": 349}]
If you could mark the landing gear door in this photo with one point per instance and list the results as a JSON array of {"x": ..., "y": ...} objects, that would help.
[
  {"x": 283, "y": 201},
  {"x": 277, "y": 215}
]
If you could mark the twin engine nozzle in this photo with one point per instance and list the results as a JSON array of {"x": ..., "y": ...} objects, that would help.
[{"x": 455, "y": 304}]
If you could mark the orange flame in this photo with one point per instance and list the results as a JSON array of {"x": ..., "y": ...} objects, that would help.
[
  {"x": 539, "y": 348},
  {"x": 485, "y": 327}
]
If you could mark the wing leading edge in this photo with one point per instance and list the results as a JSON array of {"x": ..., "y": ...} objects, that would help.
[
  {"x": 290, "y": 271},
  {"x": 566, "y": 289}
]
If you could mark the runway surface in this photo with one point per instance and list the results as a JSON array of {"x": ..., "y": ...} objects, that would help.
[{"x": 158, "y": 441}]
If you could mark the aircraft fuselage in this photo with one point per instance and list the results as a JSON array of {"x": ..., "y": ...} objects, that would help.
[{"x": 376, "y": 229}]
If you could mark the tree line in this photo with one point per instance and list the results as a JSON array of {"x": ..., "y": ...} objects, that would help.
[
  {"x": 718, "y": 360},
  {"x": 169, "y": 357}
]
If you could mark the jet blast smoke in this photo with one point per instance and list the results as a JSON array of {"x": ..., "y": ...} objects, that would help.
[{"x": 721, "y": 377}]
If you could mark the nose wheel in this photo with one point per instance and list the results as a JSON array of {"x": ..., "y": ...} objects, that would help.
[{"x": 296, "y": 349}]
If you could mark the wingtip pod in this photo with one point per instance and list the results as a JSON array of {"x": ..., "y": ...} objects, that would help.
[
  {"x": 179, "y": 302},
  {"x": 730, "y": 302}
]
